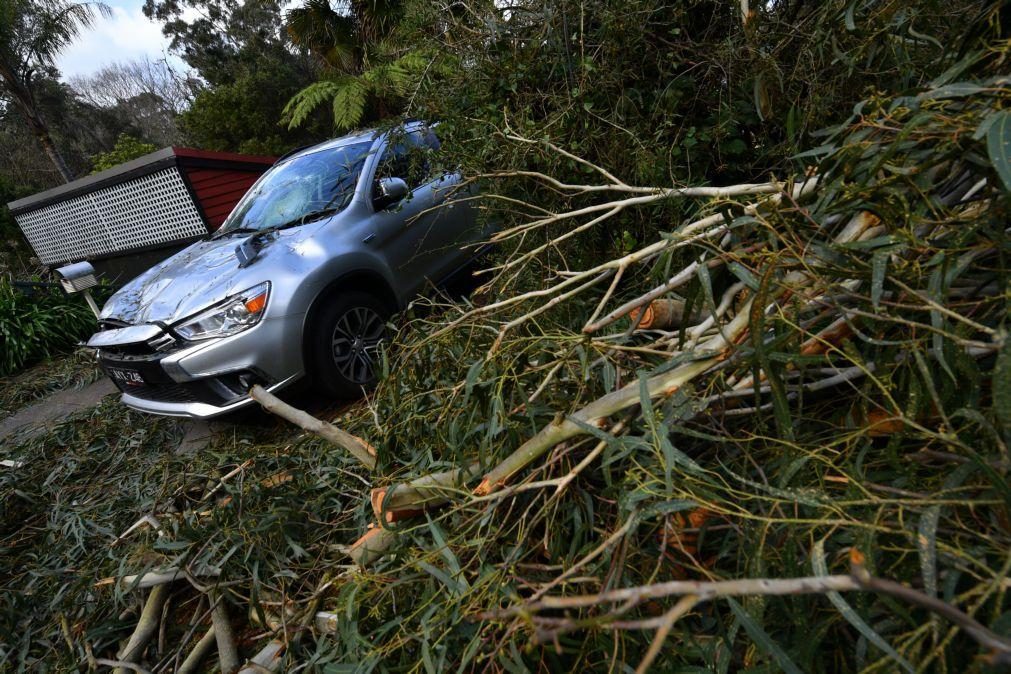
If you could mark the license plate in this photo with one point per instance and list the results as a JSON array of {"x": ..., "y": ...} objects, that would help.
[{"x": 123, "y": 376}]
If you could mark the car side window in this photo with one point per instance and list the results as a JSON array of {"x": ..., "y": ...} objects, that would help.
[{"x": 408, "y": 157}]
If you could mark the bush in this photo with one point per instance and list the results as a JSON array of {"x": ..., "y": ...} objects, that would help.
[
  {"x": 127, "y": 148},
  {"x": 38, "y": 326}
]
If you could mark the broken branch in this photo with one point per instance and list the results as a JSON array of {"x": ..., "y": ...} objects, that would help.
[{"x": 358, "y": 448}]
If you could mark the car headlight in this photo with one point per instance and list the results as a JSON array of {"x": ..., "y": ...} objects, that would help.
[{"x": 237, "y": 313}]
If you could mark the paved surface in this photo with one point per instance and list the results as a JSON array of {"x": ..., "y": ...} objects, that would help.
[
  {"x": 197, "y": 435},
  {"x": 35, "y": 418},
  {"x": 48, "y": 411}
]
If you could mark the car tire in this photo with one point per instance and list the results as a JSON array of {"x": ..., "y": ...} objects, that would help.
[{"x": 344, "y": 344}]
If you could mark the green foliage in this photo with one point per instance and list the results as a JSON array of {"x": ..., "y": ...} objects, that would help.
[
  {"x": 368, "y": 74},
  {"x": 346, "y": 93},
  {"x": 13, "y": 247},
  {"x": 38, "y": 325},
  {"x": 32, "y": 34},
  {"x": 222, "y": 39},
  {"x": 126, "y": 148},
  {"x": 81, "y": 485},
  {"x": 786, "y": 479},
  {"x": 998, "y": 144},
  {"x": 252, "y": 70},
  {"x": 356, "y": 98},
  {"x": 666, "y": 94},
  {"x": 905, "y": 460},
  {"x": 242, "y": 115}
]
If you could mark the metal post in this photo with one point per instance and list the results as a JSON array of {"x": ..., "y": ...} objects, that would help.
[{"x": 91, "y": 303}]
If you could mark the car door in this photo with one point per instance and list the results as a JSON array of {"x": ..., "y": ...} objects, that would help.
[{"x": 420, "y": 240}]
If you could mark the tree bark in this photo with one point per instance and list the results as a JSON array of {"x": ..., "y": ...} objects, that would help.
[
  {"x": 45, "y": 140},
  {"x": 147, "y": 625},
  {"x": 22, "y": 96},
  {"x": 228, "y": 655}
]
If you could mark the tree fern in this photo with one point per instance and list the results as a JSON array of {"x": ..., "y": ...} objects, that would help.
[
  {"x": 349, "y": 103},
  {"x": 349, "y": 95},
  {"x": 307, "y": 100}
]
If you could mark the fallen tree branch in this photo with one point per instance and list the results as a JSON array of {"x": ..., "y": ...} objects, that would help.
[
  {"x": 593, "y": 414},
  {"x": 226, "y": 477},
  {"x": 155, "y": 578},
  {"x": 372, "y": 546},
  {"x": 228, "y": 655},
  {"x": 192, "y": 662},
  {"x": 267, "y": 660},
  {"x": 147, "y": 627},
  {"x": 358, "y": 448},
  {"x": 859, "y": 580},
  {"x": 398, "y": 502}
]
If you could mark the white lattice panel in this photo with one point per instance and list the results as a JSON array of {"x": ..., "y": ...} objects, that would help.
[{"x": 152, "y": 209}]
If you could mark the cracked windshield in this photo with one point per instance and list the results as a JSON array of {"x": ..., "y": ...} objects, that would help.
[{"x": 300, "y": 190}]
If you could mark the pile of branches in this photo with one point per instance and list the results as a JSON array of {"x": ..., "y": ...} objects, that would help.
[
  {"x": 775, "y": 436},
  {"x": 810, "y": 376}
]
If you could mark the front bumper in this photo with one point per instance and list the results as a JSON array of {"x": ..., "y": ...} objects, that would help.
[
  {"x": 204, "y": 379},
  {"x": 195, "y": 410}
]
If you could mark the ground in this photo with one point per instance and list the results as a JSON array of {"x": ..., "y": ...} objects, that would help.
[
  {"x": 79, "y": 471},
  {"x": 47, "y": 394}
]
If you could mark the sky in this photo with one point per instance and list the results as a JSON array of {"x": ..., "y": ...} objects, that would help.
[{"x": 125, "y": 36}]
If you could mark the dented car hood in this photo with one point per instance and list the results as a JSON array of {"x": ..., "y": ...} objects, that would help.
[{"x": 197, "y": 277}]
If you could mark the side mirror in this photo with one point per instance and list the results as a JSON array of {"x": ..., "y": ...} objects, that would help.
[{"x": 391, "y": 191}]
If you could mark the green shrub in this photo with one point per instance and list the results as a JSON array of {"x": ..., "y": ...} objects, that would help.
[
  {"x": 37, "y": 326},
  {"x": 126, "y": 149}
]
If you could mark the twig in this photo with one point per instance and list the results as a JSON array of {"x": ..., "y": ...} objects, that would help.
[
  {"x": 358, "y": 448},
  {"x": 121, "y": 665},
  {"x": 680, "y": 609},
  {"x": 226, "y": 477}
]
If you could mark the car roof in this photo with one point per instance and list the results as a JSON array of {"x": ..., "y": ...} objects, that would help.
[{"x": 351, "y": 138}]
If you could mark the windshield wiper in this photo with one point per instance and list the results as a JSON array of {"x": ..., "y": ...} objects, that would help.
[
  {"x": 237, "y": 230},
  {"x": 305, "y": 218}
]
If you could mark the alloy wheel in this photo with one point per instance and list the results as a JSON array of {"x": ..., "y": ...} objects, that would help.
[{"x": 355, "y": 343}]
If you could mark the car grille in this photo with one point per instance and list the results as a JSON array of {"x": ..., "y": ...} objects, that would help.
[
  {"x": 168, "y": 393},
  {"x": 159, "y": 387},
  {"x": 137, "y": 350}
]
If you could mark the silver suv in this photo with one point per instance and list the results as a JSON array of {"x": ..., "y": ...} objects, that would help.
[{"x": 301, "y": 278}]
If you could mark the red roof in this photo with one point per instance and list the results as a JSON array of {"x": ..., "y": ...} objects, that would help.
[{"x": 222, "y": 156}]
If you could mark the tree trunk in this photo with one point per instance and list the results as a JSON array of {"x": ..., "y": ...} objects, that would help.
[
  {"x": 42, "y": 134},
  {"x": 25, "y": 102}
]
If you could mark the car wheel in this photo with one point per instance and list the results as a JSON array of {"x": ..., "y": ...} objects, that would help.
[{"x": 346, "y": 343}]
